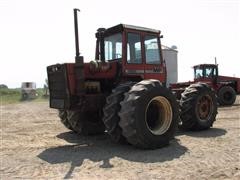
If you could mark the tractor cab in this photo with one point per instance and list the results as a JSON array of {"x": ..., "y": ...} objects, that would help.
[
  {"x": 206, "y": 72},
  {"x": 123, "y": 53},
  {"x": 136, "y": 49}
]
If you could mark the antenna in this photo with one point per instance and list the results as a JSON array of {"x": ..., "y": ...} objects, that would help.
[{"x": 215, "y": 60}]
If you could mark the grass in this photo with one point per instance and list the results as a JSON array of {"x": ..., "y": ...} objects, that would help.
[{"x": 11, "y": 96}]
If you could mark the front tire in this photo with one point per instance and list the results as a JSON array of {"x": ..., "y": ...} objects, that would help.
[
  {"x": 81, "y": 122},
  {"x": 111, "y": 109},
  {"x": 198, "y": 107},
  {"x": 149, "y": 115}
]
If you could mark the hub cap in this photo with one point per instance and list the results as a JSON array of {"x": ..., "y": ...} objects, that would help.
[
  {"x": 227, "y": 96},
  {"x": 158, "y": 115},
  {"x": 204, "y": 107}
]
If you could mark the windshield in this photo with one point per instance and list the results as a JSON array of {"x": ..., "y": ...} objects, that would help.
[
  {"x": 205, "y": 71},
  {"x": 113, "y": 47}
]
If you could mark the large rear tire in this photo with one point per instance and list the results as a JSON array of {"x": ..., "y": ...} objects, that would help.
[
  {"x": 149, "y": 115},
  {"x": 111, "y": 109},
  {"x": 226, "y": 96},
  {"x": 198, "y": 107},
  {"x": 85, "y": 123}
]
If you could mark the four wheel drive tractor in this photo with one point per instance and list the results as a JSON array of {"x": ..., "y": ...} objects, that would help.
[
  {"x": 123, "y": 91},
  {"x": 225, "y": 87}
]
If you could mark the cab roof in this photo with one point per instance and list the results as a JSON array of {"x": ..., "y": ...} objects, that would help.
[
  {"x": 204, "y": 65},
  {"x": 121, "y": 27}
]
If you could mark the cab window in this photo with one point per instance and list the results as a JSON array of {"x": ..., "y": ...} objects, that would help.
[
  {"x": 210, "y": 72},
  {"x": 113, "y": 47},
  {"x": 134, "y": 55},
  {"x": 152, "y": 51},
  {"x": 198, "y": 73}
]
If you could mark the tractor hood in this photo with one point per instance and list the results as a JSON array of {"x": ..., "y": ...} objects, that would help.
[
  {"x": 228, "y": 78},
  {"x": 181, "y": 85}
]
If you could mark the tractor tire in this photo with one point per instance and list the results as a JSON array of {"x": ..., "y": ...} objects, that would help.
[
  {"x": 64, "y": 120},
  {"x": 84, "y": 123},
  {"x": 226, "y": 96},
  {"x": 111, "y": 109},
  {"x": 198, "y": 107},
  {"x": 149, "y": 115}
]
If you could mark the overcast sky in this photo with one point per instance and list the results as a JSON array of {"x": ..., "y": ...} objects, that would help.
[{"x": 37, "y": 33}]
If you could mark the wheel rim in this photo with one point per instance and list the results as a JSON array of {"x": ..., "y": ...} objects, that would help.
[
  {"x": 204, "y": 107},
  {"x": 158, "y": 115}
]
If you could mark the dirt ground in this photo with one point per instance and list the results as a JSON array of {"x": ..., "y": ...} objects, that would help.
[{"x": 35, "y": 145}]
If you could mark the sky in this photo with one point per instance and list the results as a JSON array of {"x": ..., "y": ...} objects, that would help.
[{"x": 38, "y": 33}]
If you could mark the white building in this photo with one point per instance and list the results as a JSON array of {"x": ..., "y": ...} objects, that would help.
[{"x": 170, "y": 57}]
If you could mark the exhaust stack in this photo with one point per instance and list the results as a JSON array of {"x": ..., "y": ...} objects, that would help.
[{"x": 78, "y": 58}]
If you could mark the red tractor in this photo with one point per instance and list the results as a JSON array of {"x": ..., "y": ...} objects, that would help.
[
  {"x": 226, "y": 87},
  {"x": 123, "y": 91}
]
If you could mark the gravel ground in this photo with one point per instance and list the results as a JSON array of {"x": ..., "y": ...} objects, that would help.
[{"x": 35, "y": 145}]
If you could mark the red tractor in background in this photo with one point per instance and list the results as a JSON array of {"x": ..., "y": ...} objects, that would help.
[
  {"x": 225, "y": 87},
  {"x": 123, "y": 91}
]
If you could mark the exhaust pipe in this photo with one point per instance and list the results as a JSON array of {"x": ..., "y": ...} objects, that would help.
[{"x": 78, "y": 58}]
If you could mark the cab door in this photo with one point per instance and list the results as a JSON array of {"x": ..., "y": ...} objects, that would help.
[
  {"x": 134, "y": 63},
  {"x": 153, "y": 64}
]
